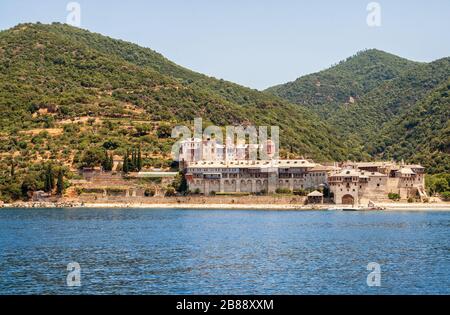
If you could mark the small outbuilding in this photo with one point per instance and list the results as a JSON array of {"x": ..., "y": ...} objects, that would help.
[
  {"x": 40, "y": 195},
  {"x": 315, "y": 197}
]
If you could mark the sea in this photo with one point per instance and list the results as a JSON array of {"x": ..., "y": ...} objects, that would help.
[{"x": 263, "y": 252}]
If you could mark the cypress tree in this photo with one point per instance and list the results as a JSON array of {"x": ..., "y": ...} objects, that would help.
[
  {"x": 51, "y": 178},
  {"x": 133, "y": 159},
  {"x": 60, "y": 183},
  {"x": 183, "y": 183},
  {"x": 46, "y": 183},
  {"x": 105, "y": 162},
  {"x": 109, "y": 162},
  {"x": 49, "y": 182},
  {"x": 125, "y": 167},
  {"x": 139, "y": 160}
]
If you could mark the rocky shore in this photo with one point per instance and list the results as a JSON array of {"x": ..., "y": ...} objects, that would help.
[
  {"x": 393, "y": 206},
  {"x": 43, "y": 205}
]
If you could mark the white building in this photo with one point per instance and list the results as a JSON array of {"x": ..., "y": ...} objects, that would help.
[
  {"x": 254, "y": 176},
  {"x": 195, "y": 150}
]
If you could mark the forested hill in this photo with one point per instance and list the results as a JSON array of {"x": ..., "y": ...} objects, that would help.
[
  {"x": 391, "y": 107},
  {"x": 58, "y": 72},
  {"x": 421, "y": 134},
  {"x": 344, "y": 83}
]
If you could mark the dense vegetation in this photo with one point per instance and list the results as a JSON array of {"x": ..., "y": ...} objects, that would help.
[
  {"x": 344, "y": 83},
  {"x": 74, "y": 98},
  {"x": 420, "y": 134},
  {"x": 389, "y": 106},
  {"x": 439, "y": 184}
]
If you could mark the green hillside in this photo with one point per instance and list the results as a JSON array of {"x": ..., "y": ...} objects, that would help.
[
  {"x": 391, "y": 98},
  {"x": 67, "y": 95},
  {"x": 387, "y": 93},
  {"x": 82, "y": 73},
  {"x": 422, "y": 133},
  {"x": 341, "y": 85}
]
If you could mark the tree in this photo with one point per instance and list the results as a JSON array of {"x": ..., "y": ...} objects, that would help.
[
  {"x": 13, "y": 172},
  {"x": 164, "y": 131},
  {"x": 180, "y": 183},
  {"x": 92, "y": 157},
  {"x": 60, "y": 183},
  {"x": 49, "y": 179},
  {"x": 142, "y": 130},
  {"x": 29, "y": 184},
  {"x": 107, "y": 163},
  {"x": 139, "y": 160},
  {"x": 125, "y": 167},
  {"x": 133, "y": 159},
  {"x": 110, "y": 145},
  {"x": 437, "y": 183},
  {"x": 11, "y": 192},
  {"x": 441, "y": 185}
]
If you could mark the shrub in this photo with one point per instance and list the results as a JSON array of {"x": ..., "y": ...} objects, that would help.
[
  {"x": 283, "y": 191},
  {"x": 446, "y": 195},
  {"x": 300, "y": 192},
  {"x": 394, "y": 196},
  {"x": 170, "y": 192},
  {"x": 164, "y": 131}
]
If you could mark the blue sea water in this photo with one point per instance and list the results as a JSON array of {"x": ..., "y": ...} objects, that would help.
[{"x": 146, "y": 251}]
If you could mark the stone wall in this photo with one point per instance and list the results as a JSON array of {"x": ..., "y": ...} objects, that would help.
[
  {"x": 252, "y": 185},
  {"x": 263, "y": 200}
]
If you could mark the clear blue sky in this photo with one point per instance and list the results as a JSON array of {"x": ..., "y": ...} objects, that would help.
[{"x": 257, "y": 43}]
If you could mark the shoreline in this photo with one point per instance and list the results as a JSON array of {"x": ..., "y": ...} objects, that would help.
[{"x": 441, "y": 206}]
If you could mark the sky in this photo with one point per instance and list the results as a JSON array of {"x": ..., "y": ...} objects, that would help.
[{"x": 256, "y": 43}]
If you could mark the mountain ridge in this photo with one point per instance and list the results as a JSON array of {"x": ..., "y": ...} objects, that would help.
[{"x": 371, "y": 98}]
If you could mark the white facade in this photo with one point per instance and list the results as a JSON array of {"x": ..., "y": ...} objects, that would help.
[
  {"x": 195, "y": 150},
  {"x": 253, "y": 176}
]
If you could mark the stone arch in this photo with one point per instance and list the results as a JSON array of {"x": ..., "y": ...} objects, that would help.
[{"x": 348, "y": 200}]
